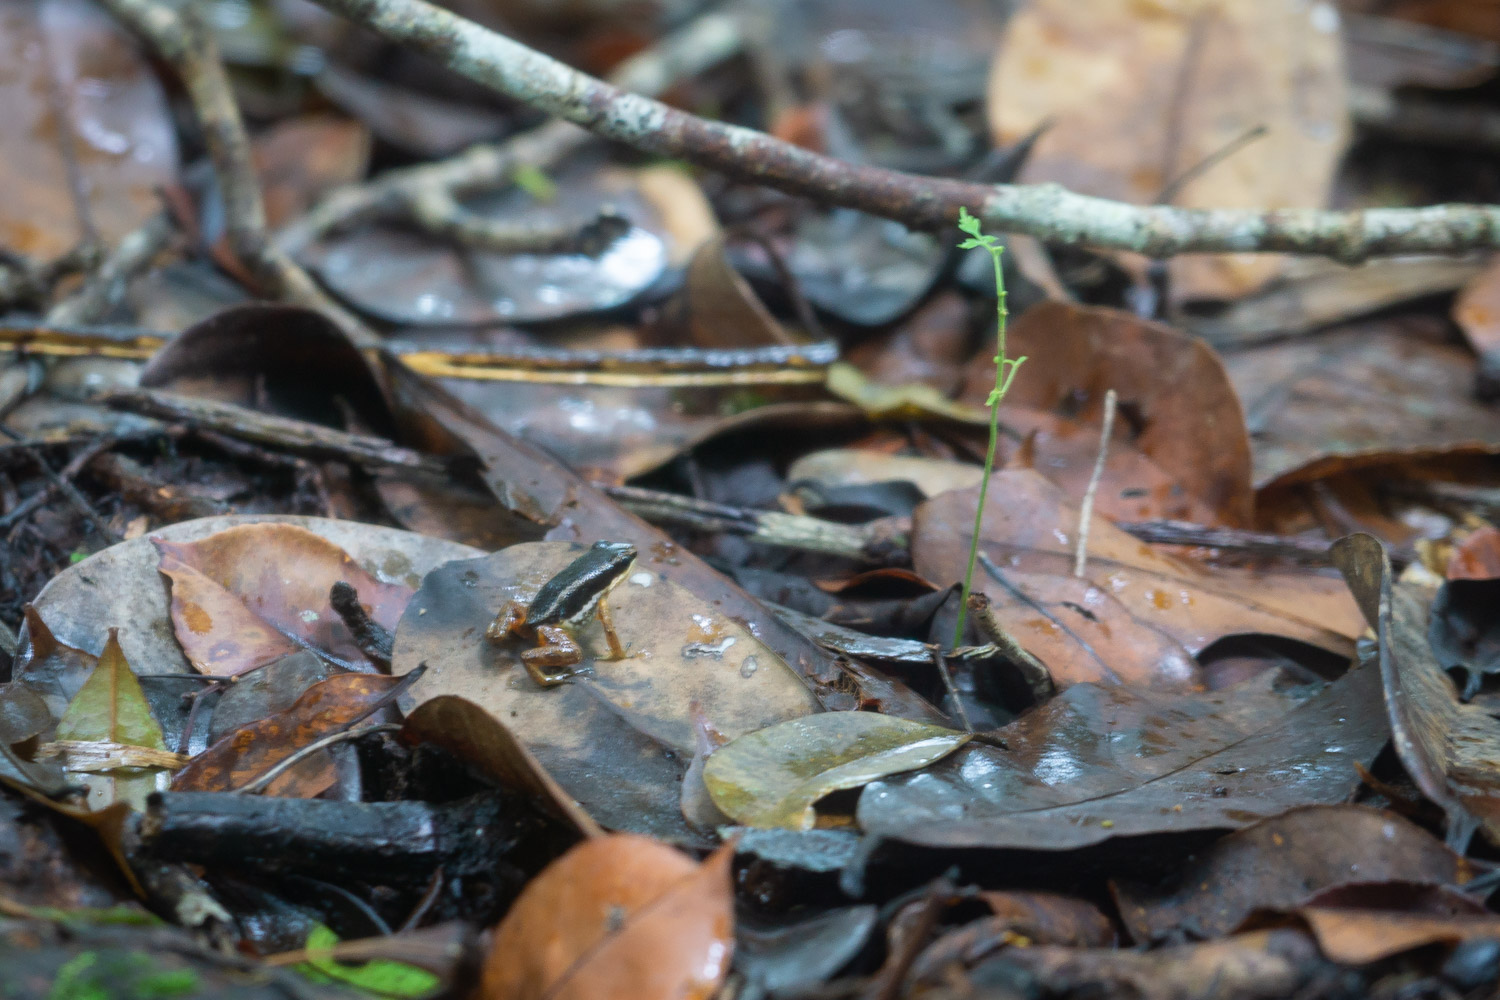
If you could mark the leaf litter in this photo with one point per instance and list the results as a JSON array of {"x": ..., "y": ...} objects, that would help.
[{"x": 1153, "y": 766}]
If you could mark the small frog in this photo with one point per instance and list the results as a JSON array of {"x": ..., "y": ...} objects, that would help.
[{"x": 563, "y": 601}]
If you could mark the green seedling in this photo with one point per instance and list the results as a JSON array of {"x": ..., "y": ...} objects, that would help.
[{"x": 1005, "y": 371}]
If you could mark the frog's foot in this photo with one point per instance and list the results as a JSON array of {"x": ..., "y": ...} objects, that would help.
[
  {"x": 556, "y": 648},
  {"x": 616, "y": 647},
  {"x": 511, "y": 617}
]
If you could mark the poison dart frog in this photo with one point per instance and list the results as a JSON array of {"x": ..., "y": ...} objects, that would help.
[{"x": 564, "y": 602}]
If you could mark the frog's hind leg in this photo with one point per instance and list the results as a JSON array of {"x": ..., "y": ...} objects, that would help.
[
  {"x": 557, "y": 649},
  {"x": 511, "y": 617},
  {"x": 616, "y": 647}
]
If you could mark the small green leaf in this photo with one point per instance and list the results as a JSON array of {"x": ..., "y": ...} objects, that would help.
[
  {"x": 968, "y": 223},
  {"x": 534, "y": 182},
  {"x": 74, "y": 558},
  {"x": 970, "y": 244},
  {"x": 378, "y": 976},
  {"x": 772, "y": 777}
]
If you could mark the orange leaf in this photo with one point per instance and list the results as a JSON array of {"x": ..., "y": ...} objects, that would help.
[{"x": 617, "y": 917}]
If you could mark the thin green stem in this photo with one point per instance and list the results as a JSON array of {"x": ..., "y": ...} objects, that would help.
[{"x": 1005, "y": 372}]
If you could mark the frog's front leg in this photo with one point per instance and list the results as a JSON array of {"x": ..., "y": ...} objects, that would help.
[
  {"x": 616, "y": 647},
  {"x": 555, "y": 648},
  {"x": 511, "y": 617}
]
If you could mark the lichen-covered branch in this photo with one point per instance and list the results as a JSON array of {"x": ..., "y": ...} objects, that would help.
[
  {"x": 1047, "y": 211},
  {"x": 181, "y": 39},
  {"x": 704, "y": 42}
]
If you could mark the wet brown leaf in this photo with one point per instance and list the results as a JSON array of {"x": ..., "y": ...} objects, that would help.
[
  {"x": 1142, "y": 93},
  {"x": 1451, "y": 750},
  {"x": 1179, "y": 450},
  {"x": 617, "y": 917},
  {"x": 326, "y": 708},
  {"x": 1137, "y": 616},
  {"x": 1099, "y": 762},
  {"x": 238, "y": 594},
  {"x": 1369, "y": 394},
  {"x": 1281, "y": 863},
  {"x": 301, "y": 159},
  {"x": 618, "y": 737},
  {"x": 1017, "y": 918},
  {"x": 1476, "y": 557},
  {"x": 75, "y": 89}
]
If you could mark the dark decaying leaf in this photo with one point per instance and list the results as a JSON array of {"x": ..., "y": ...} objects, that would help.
[
  {"x": 240, "y": 595},
  {"x": 1367, "y": 394},
  {"x": 250, "y": 751},
  {"x": 1039, "y": 918},
  {"x": 81, "y": 112},
  {"x": 1464, "y": 632},
  {"x": 796, "y": 955},
  {"x": 1451, "y": 750},
  {"x": 619, "y": 736},
  {"x": 1283, "y": 862},
  {"x": 1099, "y": 762},
  {"x": 617, "y": 917},
  {"x": 1180, "y": 452},
  {"x": 1137, "y": 616}
]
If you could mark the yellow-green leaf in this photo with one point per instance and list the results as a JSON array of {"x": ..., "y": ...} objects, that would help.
[
  {"x": 112, "y": 708},
  {"x": 772, "y": 777}
]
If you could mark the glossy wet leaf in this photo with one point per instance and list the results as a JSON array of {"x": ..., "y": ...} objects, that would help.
[
  {"x": 1099, "y": 762},
  {"x": 111, "y": 708},
  {"x": 1281, "y": 863},
  {"x": 785, "y": 955},
  {"x": 775, "y": 776},
  {"x": 417, "y": 280},
  {"x": 250, "y": 751},
  {"x": 1198, "y": 79},
  {"x": 619, "y": 735},
  {"x": 238, "y": 596},
  {"x": 1137, "y": 616},
  {"x": 1450, "y": 749},
  {"x": 1364, "y": 395},
  {"x": 617, "y": 917},
  {"x": 1182, "y": 453},
  {"x": 84, "y": 123},
  {"x": 378, "y": 975}
]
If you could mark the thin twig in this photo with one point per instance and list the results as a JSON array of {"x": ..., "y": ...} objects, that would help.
[
  {"x": 61, "y": 482},
  {"x": 1047, "y": 211},
  {"x": 1086, "y": 510},
  {"x": 941, "y": 662},
  {"x": 104, "y": 288},
  {"x": 437, "y": 212},
  {"x": 180, "y": 38},
  {"x": 282, "y": 766}
]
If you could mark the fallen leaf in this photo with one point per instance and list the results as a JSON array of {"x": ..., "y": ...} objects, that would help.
[
  {"x": 1463, "y": 633},
  {"x": 111, "y": 708},
  {"x": 862, "y": 467},
  {"x": 1448, "y": 748},
  {"x": 250, "y": 751},
  {"x": 1024, "y": 919},
  {"x": 617, "y": 737},
  {"x": 1141, "y": 94},
  {"x": 793, "y": 954},
  {"x": 1281, "y": 863},
  {"x": 1359, "y": 396},
  {"x": 1358, "y": 937},
  {"x": 479, "y": 739},
  {"x": 1136, "y": 616},
  {"x": 299, "y": 160},
  {"x": 775, "y": 776},
  {"x": 1477, "y": 557},
  {"x": 240, "y": 595},
  {"x": 1179, "y": 452},
  {"x": 617, "y": 917},
  {"x": 1099, "y": 762},
  {"x": 86, "y": 129}
]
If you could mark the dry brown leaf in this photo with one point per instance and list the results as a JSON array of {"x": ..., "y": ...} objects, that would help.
[
  {"x": 1137, "y": 616},
  {"x": 239, "y": 594},
  {"x": 617, "y": 917},
  {"x": 251, "y": 750},
  {"x": 1179, "y": 450},
  {"x": 301, "y": 159},
  {"x": 1142, "y": 92},
  {"x": 1357, "y": 937}
]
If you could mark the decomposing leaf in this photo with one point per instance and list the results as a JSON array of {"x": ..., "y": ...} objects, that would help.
[
  {"x": 418, "y": 280},
  {"x": 620, "y": 916},
  {"x": 111, "y": 708},
  {"x": 1141, "y": 94},
  {"x": 1033, "y": 918},
  {"x": 483, "y": 741},
  {"x": 1098, "y": 762},
  {"x": 860, "y": 467},
  {"x": 618, "y": 737},
  {"x": 775, "y": 776},
  {"x": 1137, "y": 616},
  {"x": 249, "y": 752},
  {"x": 49, "y": 668},
  {"x": 1281, "y": 863},
  {"x": 1450, "y": 749},
  {"x": 301, "y": 159},
  {"x": 1358, "y": 937},
  {"x": 239, "y": 596},
  {"x": 1180, "y": 453},
  {"x": 787, "y": 957},
  {"x": 1363, "y": 395},
  {"x": 929, "y": 347},
  {"x": 87, "y": 134},
  {"x": 1477, "y": 557}
]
